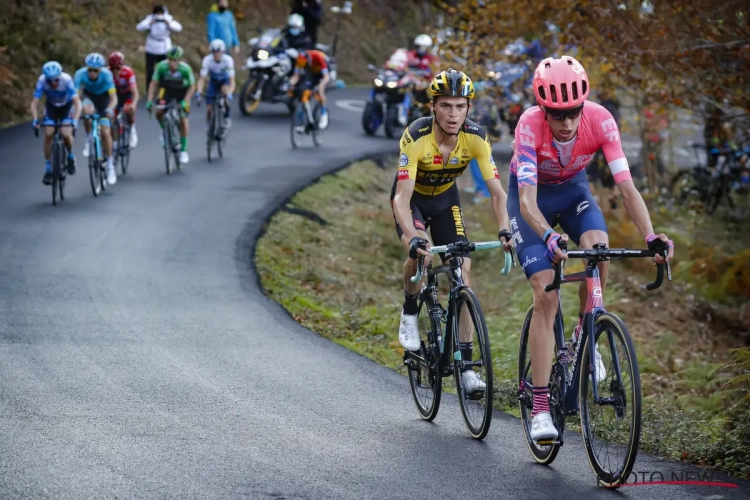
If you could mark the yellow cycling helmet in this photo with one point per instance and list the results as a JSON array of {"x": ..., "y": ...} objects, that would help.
[{"x": 451, "y": 83}]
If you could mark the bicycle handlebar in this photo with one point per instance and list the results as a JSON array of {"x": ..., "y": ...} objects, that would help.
[
  {"x": 462, "y": 247},
  {"x": 604, "y": 253}
]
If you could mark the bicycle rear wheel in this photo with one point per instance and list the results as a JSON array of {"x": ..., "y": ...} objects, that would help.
[
  {"x": 95, "y": 170},
  {"x": 476, "y": 406},
  {"x": 620, "y": 394},
  {"x": 425, "y": 379},
  {"x": 543, "y": 454}
]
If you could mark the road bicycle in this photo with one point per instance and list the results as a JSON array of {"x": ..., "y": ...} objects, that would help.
[
  {"x": 617, "y": 392},
  {"x": 306, "y": 116},
  {"x": 58, "y": 157},
  {"x": 96, "y": 160},
  {"x": 441, "y": 355},
  {"x": 121, "y": 136},
  {"x": 217, "y": 131},
  {"x": 171, "y": 133}
]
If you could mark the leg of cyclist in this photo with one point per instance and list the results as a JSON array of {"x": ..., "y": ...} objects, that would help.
[
  {"x": 67, "y": 135},
  {"x": 105, "y": 109},
  {"x": 408, "y": 331},
  {"x": 584, "y": 223},
  {"x": 321, "y": 83},
  {"x": 226, "y": 91},
  {"x": 539, "y": 270},
  {"x": 210, "y": 96},
  {"x": 49, "y": 133},
  {"x": 447, "y": 227},
  {"x": 184, "y": 129},
  {"x": 88, "y": 109}
]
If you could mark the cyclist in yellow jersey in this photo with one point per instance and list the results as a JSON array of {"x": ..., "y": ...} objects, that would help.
[{"x": 435, "y": 151}]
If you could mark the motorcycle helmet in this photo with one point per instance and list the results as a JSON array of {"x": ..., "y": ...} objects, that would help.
[
  {"x": 296, "y": 24},
  {"x": 422, "y": 43}
]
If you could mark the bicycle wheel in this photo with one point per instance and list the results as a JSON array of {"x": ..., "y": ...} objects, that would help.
[
  {"x": 424, "y": 376},
  {"x": 124, "y": 149},
  {"x": 299, "y": 119},
  {"x": 62, "y": 156},
  {"x": 176, "y": 148},
  {"x": 55, "y": 157},
  {"x": 211, "y": 132},
  {"x": 543, "y": 454},
  {"x": 94, "y": 168},
  {"x": 166, "y": 134},
  {"x": 314, "y": 130},
  {"x": 620, "y": 394},
  {"x": 476, "y": 407},
  {"x": 221, "y": 132}
]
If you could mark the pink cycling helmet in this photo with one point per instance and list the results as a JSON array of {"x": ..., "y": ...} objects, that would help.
[{"x": 560, "y": 83}]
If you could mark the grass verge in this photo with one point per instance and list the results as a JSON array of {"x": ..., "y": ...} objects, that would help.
[{"x": 340, "y": 276}]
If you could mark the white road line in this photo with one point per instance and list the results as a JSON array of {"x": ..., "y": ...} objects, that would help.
[{"x": 356, "y": 105}]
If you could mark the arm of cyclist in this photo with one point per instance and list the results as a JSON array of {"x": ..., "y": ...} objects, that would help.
[
  {"x": 407, "y": 175},
  {"x": 136, "y": 95},
  {"x": 524, "y": 156},
  {"x": 152, "y": 88},
  {"x": 77, "y": 109},
  {"x": 632, "y": 199},
  {"x": 112, "y": 101},
  {"x": 498, "y": 196},
  {"x": 231, "y": 75}
]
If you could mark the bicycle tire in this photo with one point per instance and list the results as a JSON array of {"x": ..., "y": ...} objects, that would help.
[
  {"x": 55, "y": 171},
  {"x": 430, "y": 352},
  {"x": 314, "y": 126},
  {"x": 124, "y": 149},
  {"x": 542, "y": 454},
  {"x": 94, "y": 168},
  {"x": 687, "y": 181},
  {"x": 480, "y": 334},
  {"x": 607, "y": 478},
  {"x": 177, "y": 146},
  {"x": 210, "y": 133},
  {"x": 220, "y": 134},
  {"x": 167, "y": 145}
]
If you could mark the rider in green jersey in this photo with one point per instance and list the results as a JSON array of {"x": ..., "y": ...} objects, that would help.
[{"x": 174, "y": 79}]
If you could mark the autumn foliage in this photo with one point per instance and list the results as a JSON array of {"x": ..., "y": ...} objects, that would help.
[{"x": 684, "y": 51}]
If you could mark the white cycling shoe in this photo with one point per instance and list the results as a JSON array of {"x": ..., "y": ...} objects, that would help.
[
  {"x": 86, "y": 149},
  {"x": 472, "y": 382},
  {"x": 542, "y": 427},
  {"x": 133, "y": 137},
  {"x": 408, "y": 332},
  {"x": 184, "y": 158},
  {"x": 111, "y": 174}
]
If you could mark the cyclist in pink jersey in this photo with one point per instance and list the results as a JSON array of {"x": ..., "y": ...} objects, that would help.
[{"x": 547, "y": 186}]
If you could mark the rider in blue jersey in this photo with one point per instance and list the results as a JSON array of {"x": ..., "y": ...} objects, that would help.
[
  {"x": 61, "y": 96},
  {"x": 97, "y": 86}
]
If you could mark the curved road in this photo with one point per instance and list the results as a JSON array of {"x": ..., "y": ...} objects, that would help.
[{"x": 138, "y": 357}]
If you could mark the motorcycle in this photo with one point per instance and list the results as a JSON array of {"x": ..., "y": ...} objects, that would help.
[
  {"x": 390, "y": 102},
  {"x": 269, "y": 71}
]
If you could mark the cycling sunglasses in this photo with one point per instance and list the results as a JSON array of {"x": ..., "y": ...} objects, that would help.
[
  {"x": 563, "y": 114},
  {"x": 93, "y": 70}
]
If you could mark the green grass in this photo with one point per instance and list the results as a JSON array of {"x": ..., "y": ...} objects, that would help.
[{"x": 343, "y": 279}]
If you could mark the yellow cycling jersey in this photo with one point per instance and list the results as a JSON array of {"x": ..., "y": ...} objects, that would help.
[{"x": 422, "y": 161}]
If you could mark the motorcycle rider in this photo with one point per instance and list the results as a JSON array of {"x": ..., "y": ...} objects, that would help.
[
  {"x": 294, "y": 34},
  {"x": 420, "y": 58}
]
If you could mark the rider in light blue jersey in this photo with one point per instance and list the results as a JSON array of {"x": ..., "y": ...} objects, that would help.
[
  {"x": 61, "y": 96},
  {"x": 97, "y": 86}
]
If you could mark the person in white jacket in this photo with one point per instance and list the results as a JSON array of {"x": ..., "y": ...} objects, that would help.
[{"x": 159, "y": 25}]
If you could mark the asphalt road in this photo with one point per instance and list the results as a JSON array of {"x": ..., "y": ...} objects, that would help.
[{"x": 138, "y": 358}]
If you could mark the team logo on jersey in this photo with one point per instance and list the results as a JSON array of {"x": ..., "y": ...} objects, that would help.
[
  {"x": 403, "y": 174},
  {"x": 438, "y": 160},
  {"x": 454, "y": 161},
  {"x": 403, "y": 160},
  {"x": 497, "y": 174}
]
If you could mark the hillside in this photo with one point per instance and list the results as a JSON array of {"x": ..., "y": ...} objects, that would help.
[{"x": 35, "y": 31}]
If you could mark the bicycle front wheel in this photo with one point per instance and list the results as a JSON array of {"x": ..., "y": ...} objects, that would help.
[
  {"x": 167, "y": 144},
  {"x": 424, "y": 375},
  {"x": 124, "y": 149},
  {"x": 95, "y": 174},
  {"x": 476, "y": 404},
  {"x": 177, "y": 147},
  {"x": 620, "y": 397},
  {"x": 55, "y": 173},
  {"x": 299, "y": 119},
  {"x": 211, "y": 132}
]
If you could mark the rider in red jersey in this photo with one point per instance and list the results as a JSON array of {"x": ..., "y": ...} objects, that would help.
[
  {"x": 127, "y": 91},
  {"x": 547, "y": 186}
]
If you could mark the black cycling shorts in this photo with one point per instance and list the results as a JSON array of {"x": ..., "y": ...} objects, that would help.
[
  {"x": 100, "y": 102},
  {"x": 441, "y": 214}
]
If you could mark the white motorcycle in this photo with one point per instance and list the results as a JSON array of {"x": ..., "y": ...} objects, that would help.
[{"x": 269, "y": 71}]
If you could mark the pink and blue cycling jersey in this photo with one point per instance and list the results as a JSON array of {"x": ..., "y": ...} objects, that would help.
[{"x": 539, "y": 159}]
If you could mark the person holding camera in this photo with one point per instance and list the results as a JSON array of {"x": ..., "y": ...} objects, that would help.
[{"x": 159, "y": 25}]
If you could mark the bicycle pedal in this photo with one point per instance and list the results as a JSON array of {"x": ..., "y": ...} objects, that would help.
[{"x": 547, "y": 442}]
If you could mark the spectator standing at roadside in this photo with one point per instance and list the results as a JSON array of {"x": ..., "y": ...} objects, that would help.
[
  {"x": 312, "y": 12},
  {"x": 159, "y": 25},
  {"x": 222, "y": 26}
]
